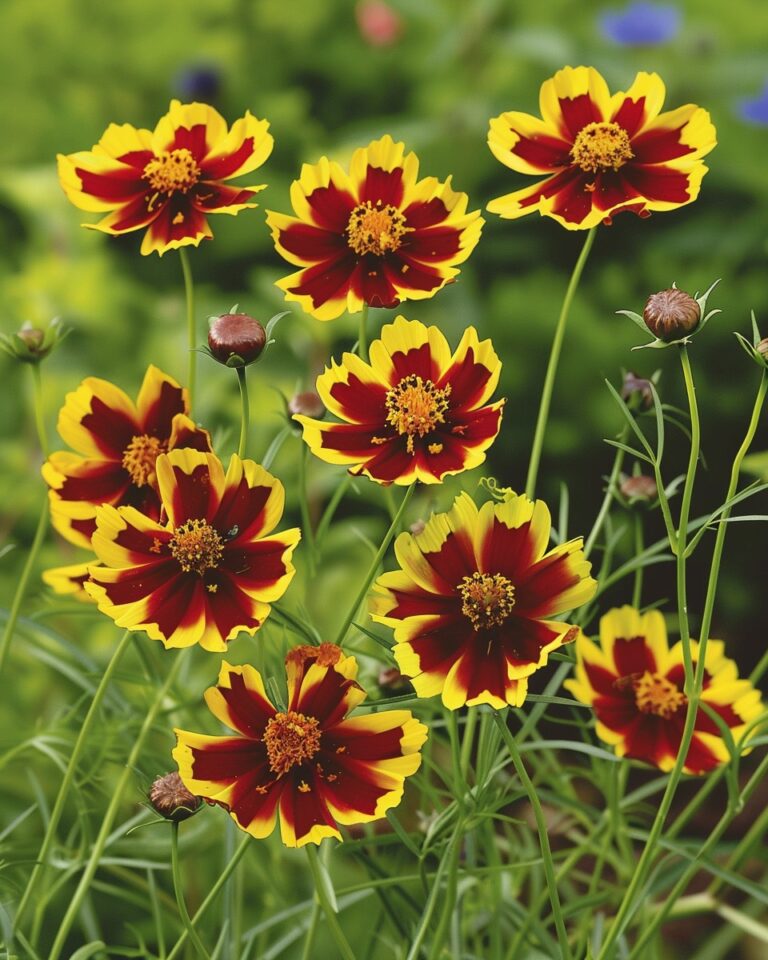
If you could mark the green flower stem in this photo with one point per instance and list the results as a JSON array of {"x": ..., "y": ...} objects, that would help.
[
  {"x": 541, "y": 826},
  {"x": 330, "y": 510},
  {"x": 245, "y": 412},
  {"x": 744, "y": 846},
  {"x": 309, "y": 943},
  {"x": 189, "y": 292},
  {"x": 554, "y": 357},
  {"x": 37, "y": 384},
  {"x": 637, "y": 588},
  {"x": 306, "y": 520},
  {"x": 362, "y": 339},
  {"x": 692, "y": 687},
  {"x": 212, "y": 895},
  {"x": 178, "y": 889},
  {"x": 321, "y": 893},
  {"x": 375, "y": 565},
  {"x": 610, "y": 487},
  {"x": 468, "y": 741},
  {"x": 66, "y": 784},
  {"x": 118, "y": 797}
]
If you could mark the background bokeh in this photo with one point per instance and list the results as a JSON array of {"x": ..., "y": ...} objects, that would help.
[{"x": 330, "y": 76}]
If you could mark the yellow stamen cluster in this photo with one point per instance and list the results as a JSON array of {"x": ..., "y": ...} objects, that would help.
[
  {"x": 416, "y": 406},
  {"x": 601, "y": 146},
  {"x": 655, "y": 694},
  {"x": 487, "y": 599},
  {"x": 290, "y": 739},
  {"x": 172, "y": 171},
  {"x": 375, "y": 229},
  {"x": 139, "y": 458},
  {"x": 196, "y": 546}
]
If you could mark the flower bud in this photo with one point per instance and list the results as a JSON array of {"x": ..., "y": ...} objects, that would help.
[
  {"x": 31, "y": 344},
  {"x": 390, "y": 678},
  {"x": 640, "y": 487},
  {"x": 636, "y": 392},
  {"x": 171, "y": 799},
  {"x": 762, "y": 348},
  {"x": 417, "y": 527},
  {"x": 307, "y": 404},
  {"x": 235, "y": 339},
  {"x": 671, "y": 314}
]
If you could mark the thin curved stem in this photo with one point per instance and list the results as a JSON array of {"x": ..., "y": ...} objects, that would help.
[
  {"x": 66, "y": 784},
  {"x": 374, "y": 565},
  {"x": 306, "y": 520},
  {"x": 178, "y": 889},
  {"x": 330, "y": 510},
  {"x": 189, "y": 292},
  {"x": 605, "y": 506},
  {"x": 362, "y": 338},
  {"x": 42, "y": 433},
  {"x": 541, "y": 826},
  {"x": 554, "y": 358},
  {"x": 118, "y": 797},
  {"x": 321, "y": 893},
  {"x": 245, "y": 412},
  {"x": 637, "y": 587}
]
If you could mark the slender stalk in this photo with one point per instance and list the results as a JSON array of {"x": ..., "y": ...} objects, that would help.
[
  {"x": 306, "y": 520},
  {"x": 327, "y": 907},
  {"x": 554, "y": 357},
  {"x": 330, "y": 510},
  {"x": 309, "y": 943},
  {"x": 541, "y": 826},
  {"x": 189, "y": 292},
  {"x": 605, "y": 506},
  {"x": 118, "y": 797},
  {"x": 375, "y": 565},
  {"x": 66, "y": 784},
  {"x": 637, "y": 588},
  {"x": 37, "y": 384},
  {"x": 178, "y": 889},
  {"x": 468, "y": 741},
  {"x": 245, "y": 412},
  {"x": 212, "y": 895},
  {"x": 362, "y": 338}
]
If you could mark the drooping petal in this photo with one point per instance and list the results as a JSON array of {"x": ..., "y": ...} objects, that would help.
[{"x": 178, "y": 224}]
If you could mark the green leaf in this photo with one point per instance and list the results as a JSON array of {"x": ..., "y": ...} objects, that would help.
[{"x": 89, "y": 950}]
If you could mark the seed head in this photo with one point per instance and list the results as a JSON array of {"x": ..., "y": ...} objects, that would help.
[
  {"x": 171, "y": 799},
  {"x": 671, "y": 314}
]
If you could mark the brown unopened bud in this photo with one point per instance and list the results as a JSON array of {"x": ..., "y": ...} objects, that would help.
[
  {"x": 307, "y": 404},
  {"x": 640, "y": 487},
  {"x": 390, "y": 678},
  {"x": 637, "y": 390},
  {"x": 417, "y": 527},
  {"x": 762, "y": 348},
  {"x": 671, "y": 314},
  {"x": 171, "y": 799},
  {"x": 235, "y": 339},
  {"x": 33, "y": 338}
]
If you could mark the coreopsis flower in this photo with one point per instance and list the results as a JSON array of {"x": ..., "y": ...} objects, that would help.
[
  {"x": 69, "y": 581},
  {"x": 635, "y": 684},
  {"x": 415, "y": 412},
  {"x": 311, "y": 763},
  {"x": 470, "y": 602},
  {"x": 117, "y": 443},
  {"x": 168, "y": 180},
  {"x": 210, "y": 567},
  {"x": 600, "y": 154},
  {"x": 376, "y": 235}
]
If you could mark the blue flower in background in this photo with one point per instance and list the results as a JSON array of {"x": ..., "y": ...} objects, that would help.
[
  {"x": 755, "y": 109},
  {"x": 200, "y": 81},
  {"x": 641, "y": 24}
]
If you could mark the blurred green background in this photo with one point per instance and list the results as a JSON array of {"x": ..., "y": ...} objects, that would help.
[{"x": 328, "y": 84}]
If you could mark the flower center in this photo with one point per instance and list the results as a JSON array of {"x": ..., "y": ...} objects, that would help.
[
  {"x": 139, "y": 458},
  {"x": 416, "y": 406},
  {"x": 601, "y": 146},
  {"x": 197, "y": 546},
  {"x": 171, "y": 171},
  {"x": 290, "y": 739},
  {"x": 655, "y": 694},
  {"x": 487, "y": 599},
  {"x": 375, "y": 229}
]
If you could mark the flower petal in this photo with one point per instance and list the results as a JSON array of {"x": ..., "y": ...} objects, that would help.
[
  {"x": 98, "y": 419},
  {"x": 527, "y": 144},
  {"x": 191, "y": 485}
]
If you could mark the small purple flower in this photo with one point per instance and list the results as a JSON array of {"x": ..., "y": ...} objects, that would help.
[
  {"x": 755, "y": 109},
  {"x": 200, "y": 81},
  {"x": 641, "y": 24}
]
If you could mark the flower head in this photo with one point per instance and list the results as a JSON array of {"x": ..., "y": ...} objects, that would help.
[
  {"x": 641, "y": 24},
  {"x": 600, "y": 154},
  {"x": 32, "y": 344},
  {"x": 415, "y": 412},
  {"x": 210, "y": 567},
  {"x": 171, "y": 799},
  {"x": 168, "y": 180},
  {"x": 671, "y": 314},
  {"x": 311, "y": 763},
  {"x": 635, "y": 685},
  {"x": 376, "y": 235},
  {"x": 470, "y": 599},
  {"x": 117, "y": 443}
]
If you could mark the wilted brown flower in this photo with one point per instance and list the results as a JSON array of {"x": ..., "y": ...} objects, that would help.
[
  {"x": 171, "y": 799},
  {"x": 638, "y": 390}
]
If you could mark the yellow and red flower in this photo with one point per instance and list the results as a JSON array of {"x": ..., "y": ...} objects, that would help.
[
  {"x": 635, "y": 684},
  {"x": 312, "y": 763},
  {"x": 117, "y": 443},
  {"x": 469, "y": 602},
  {"x": 210, "y": 567},
  {"x": 69, "y": 581},
  {"x": 376, "y": 235},
  {"x": 415, "y": 412},
  {"x": 601, "y": 154},
  {"x": 167, "y": 180}
]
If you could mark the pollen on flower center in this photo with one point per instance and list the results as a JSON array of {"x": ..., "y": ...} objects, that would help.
[
  {"x": 416, "y": 406},
  {"x": 172, "y": 171},
  {"x": 375, "y": 229},
  {"x": 139, "y": 458},
  {"x": 487, "y": 599},
  {"x": 655, "y": 694},
  {"x": 601, "y": 146},
  {"x": 197, "y": 546},
  {"x": 290, "y": 739}
]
